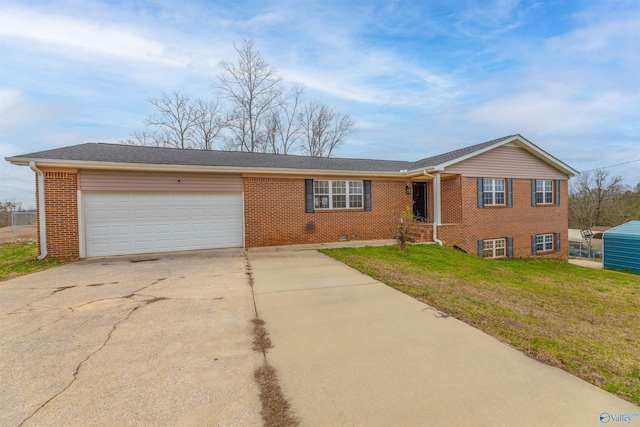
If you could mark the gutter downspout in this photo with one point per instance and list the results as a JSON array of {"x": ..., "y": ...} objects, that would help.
[
  {"x": 436, "y": 204},
  {"x": 42, "y": 216}
]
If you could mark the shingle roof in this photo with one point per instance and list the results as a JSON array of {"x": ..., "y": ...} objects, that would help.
[{"x": 116, "y": 153}]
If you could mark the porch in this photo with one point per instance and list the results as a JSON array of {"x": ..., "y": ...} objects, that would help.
[{"x": 436, "y": 199}]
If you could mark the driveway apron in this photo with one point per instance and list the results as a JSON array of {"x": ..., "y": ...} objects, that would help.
[
  {"x": 350, "y": 350},
  {"x": 148, "y": 341}
]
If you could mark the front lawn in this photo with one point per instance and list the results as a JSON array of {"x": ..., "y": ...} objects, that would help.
[
  {"x": 17, "y": 259},
  {"x": 582, "y": 320}
]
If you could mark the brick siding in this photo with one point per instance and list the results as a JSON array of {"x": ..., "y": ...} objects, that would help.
[
  {"x": 451, "y": 200},
  {"x": 61, "y": 206},
  {"x": 520, "y": 221},
  {"x": 275, "y": 213}
]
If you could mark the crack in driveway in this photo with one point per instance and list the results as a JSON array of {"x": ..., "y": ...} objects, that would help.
[
  {"x": 39, "y": 328},
  {"x": 55, "y": 291},
  {"x": 75, "y": 373},
  {"x": 146, "y": 301}
]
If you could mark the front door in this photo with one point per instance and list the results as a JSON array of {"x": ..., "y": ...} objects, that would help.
[{"x": 420, "y": 201}]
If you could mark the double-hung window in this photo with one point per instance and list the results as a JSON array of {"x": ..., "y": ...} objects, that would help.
[
  {"x": 544, "y": 191},
  {"x": 337, "y": 194},
  {"x": 544, "y": 242},
  {"x": 493, "y": 191},
  {"x": 494, "y": 248}
]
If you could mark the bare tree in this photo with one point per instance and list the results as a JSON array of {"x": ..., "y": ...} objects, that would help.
[
  {"x": 209, "y": 124},
  {"x": 143, "y": 138},
  {"x": 590, "y": 196},
  {"x": 251, "y": 112},
  {"x": 254, "y": 89},
  {"x": 174, "y": 121},
  {"x": 179, "y": 122},
  {"x": 283, "y": 128},
  {"x": 324, "y": 130}
]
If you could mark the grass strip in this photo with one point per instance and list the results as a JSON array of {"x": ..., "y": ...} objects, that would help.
[{"x": 17, "y": 259}]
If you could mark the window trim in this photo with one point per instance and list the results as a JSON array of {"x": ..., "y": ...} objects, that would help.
[
  {"x": 494, "y": 247},
  {"x": 347, "y": 194},
  {"x": 545, "y": 192},
  {"x": 493, "y": 191},
  {"x": 508, "y": 189},
  {"x": 544, "y": 243},
  {"x": 555, "y": 192}
]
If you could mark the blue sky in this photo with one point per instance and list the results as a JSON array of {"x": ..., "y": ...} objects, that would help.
[{"x": 419, "y": 77}]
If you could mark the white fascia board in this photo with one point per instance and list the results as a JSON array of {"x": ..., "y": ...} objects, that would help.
[{"x": 82, "y": 164}]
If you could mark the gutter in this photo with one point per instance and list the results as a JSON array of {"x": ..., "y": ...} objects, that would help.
[
  {"x": 95, "y": 165},
  {"x": 42, "y": 216},
  {"x": 436, "y": 204}
]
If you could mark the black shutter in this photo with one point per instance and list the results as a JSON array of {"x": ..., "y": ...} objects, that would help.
[
  {"x": 510, "y": 247},
  {"x": 481, "y": 192},
  {"x": 481, "y": 248},
  {"x": 367, "y": 195},
  {"x": 557, "y": 241},
  {"x": 557, "y": 192},
  {"x": 534, "y": 251},
  {"x": 308, "y": 196},
  {"x": 533, "y": 193},
  {"x": 509, "y": 192}
]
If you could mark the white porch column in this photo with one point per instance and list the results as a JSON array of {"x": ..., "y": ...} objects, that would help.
[{"x": 437, "y": 218}]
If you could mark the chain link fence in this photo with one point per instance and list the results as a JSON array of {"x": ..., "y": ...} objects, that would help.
[{"x": 21, "y": 219}]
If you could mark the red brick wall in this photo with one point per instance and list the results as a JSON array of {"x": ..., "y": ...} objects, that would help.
[
  {"x": 451, "y": 200},
  {"x": 61, "y": 206},
  {"x": 520, "y": 221},
  {"x": 275, "y": 213}
]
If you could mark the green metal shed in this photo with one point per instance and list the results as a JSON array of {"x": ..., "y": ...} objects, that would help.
[{"x": 621, "y": 247}]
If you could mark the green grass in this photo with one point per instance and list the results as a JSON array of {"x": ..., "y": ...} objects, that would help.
[
  {"x": 583, "y": 320},
  {"x": 17, "y": 259}
]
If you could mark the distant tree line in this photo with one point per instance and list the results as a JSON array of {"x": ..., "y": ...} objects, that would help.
[
  {"x": 252, "y": 110},
  {"x": 600, "y": 199}
]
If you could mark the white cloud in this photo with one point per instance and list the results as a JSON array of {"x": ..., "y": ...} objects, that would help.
[
  {"x": 601, "y": 41},
  {"x": 88, "y": 36},
  {"x": 16, "y": 110},
  {"x": 551, "y": 107},
  {"x": 489, "y": 18}
]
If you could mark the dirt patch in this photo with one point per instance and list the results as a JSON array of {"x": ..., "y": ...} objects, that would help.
[
  {"x": 261, "y": 340},
  {"x": 276, "y": 411},
  {"x": 24, "y": 233}
]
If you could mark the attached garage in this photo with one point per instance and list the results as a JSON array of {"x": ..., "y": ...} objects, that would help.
[{"x": 145, "y": 212}]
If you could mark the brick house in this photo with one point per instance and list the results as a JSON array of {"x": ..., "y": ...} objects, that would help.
[{"x": 501, "y": 198}]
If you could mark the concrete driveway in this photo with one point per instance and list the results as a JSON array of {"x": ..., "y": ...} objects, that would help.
[
  {"x": 162, "y": 341},
  {"x": 350, "y": 350}
]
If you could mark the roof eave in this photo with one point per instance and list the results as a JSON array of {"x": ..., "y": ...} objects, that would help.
[{"x": 83, "y": 164}]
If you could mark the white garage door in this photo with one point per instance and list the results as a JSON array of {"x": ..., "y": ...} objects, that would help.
[{"x": 135, "y": 223}]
